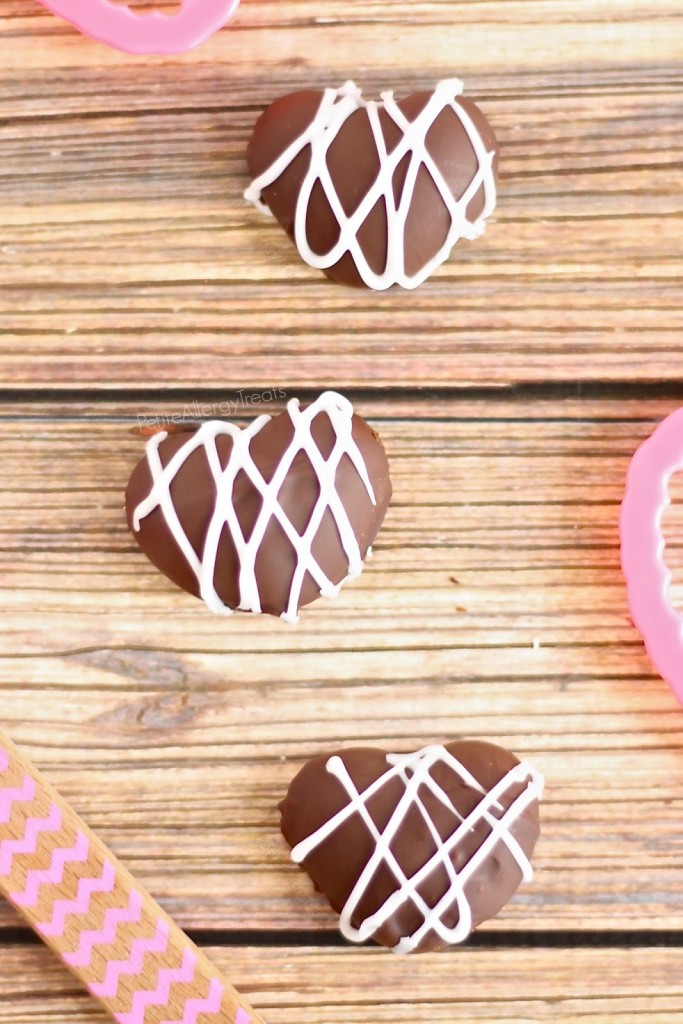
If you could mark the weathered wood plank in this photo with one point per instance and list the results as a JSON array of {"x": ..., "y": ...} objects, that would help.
[
  {"x": 494, "y": 607},
  {"x": 127, "y": 256},
  {"x": 342, "y": 986}
]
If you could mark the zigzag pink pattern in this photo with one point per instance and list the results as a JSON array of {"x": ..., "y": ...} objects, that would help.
[
  {"x": 167, "y": 977},
  {"x": 212, "y": 1004},
  {"x": 8, "y": 797},
  {"x": 117, "y": 969},
  {"x": 243, "y": 1017},
  {"x": 107, "y": 934},
  {"x": 87, "y": 887},
  {"x": 29, "y": 841},
  {"x": 54, "y": 875},
  {"x": 4, "y": 760}
]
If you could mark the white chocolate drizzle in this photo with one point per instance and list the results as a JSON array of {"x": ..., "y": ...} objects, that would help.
[
  {"x": 414, "y": 770},
  {"x": 340, "y": 413},
  {"x": 336, "y": 107}
]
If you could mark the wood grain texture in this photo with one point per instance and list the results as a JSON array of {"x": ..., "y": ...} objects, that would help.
[
  {"x": 341, "y": 986},
  {"x": 128, "y": 258},
  {"x": 494, "y": 606}
]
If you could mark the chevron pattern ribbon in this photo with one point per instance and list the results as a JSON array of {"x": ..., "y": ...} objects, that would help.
[{"x": 87, "y": 907}]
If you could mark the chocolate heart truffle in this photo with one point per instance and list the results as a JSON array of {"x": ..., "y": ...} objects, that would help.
[
  {"x": 375, "y": 194},
  {"x": 267, "y": 518},
  {"x": 415, "y": 850}
]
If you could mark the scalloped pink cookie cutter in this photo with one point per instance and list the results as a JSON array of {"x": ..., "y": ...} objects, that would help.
[
  {"x": 145, "y": 33},
  {"x": 642, "y": 548}
]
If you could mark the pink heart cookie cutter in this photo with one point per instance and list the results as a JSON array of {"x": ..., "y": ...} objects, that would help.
[
  {"x": 642, "y": 548},
  {"x": 148, "y": 32}
]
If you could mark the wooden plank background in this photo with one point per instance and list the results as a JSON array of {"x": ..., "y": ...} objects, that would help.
[{"x": 510, "y": 390}]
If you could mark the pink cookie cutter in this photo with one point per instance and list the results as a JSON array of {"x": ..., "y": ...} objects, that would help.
[
  {"x": 642, "y": 548},
  {"x": 147, "y": 33}
]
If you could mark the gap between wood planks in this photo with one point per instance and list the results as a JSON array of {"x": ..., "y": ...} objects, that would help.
[
  {"x": 561, "y": 939},
  {"x": 551, "y": 390}
]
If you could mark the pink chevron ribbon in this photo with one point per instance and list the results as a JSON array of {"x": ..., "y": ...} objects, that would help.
[
  {"x": 53, "y": 875},
  {"x": 167, "y": 977},
  {"x": 45, "y": 850},
  {"x": 63, "y": 909},
  {"x": 28, "y": 844},
  {"x": 106, "y": 935},
  {"x": 23, "y": 795},
  {"x": 195, "y": 1007},
  {"x": 117, "y": 969}
]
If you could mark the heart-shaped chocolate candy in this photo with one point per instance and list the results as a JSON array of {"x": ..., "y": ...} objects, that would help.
[
  {"x": 414, "y": 851},
  {"x": 375, "y": 194},
  {"x": 143, "y": 31},
  {"x": 264, "y": 519}
]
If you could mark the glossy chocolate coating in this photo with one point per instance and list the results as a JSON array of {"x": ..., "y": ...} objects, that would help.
[
  {"x": 354, "y": 163},
  {"x": 315, "y": 796},
  {"x": 194, "y": 496}
]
